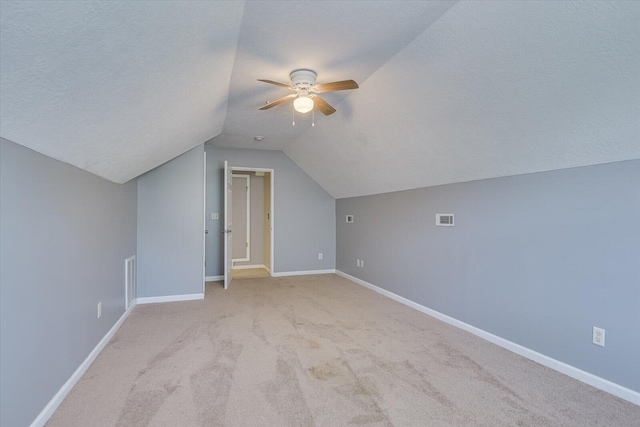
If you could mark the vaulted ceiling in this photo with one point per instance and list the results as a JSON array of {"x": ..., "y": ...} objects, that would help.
[{"x": 449, "y": 91}]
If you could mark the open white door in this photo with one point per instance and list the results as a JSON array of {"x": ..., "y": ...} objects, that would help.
[
  {"x": 204, "y": 225},
  {"x": 228, "y": 254}
]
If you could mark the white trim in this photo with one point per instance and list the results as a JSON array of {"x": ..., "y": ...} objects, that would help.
[
  {"x": 170, "y": 298},
  {"x": 249, "y": 169},
  {"x": 247, "y": 267},
  {"x": 578, "y": 374},
  {"x": 53, "y": 404},
  {"x": 214, "y": 278},
  {"x": 247, "y": 247},
  {"x": 272, "y": 215},
  {"x": 303, "y": 273},
  {"x": 204, "y": 226}
]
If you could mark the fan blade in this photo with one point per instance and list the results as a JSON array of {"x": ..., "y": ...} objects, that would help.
[
  {"x": 332, "y": 87},
  {"x": 323, "y": 106},
  {"x": 276, "y": 83},
  {"x": 279, "y": 101}
]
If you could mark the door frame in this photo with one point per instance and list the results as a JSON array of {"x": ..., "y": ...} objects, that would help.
[
  {"x": 271, "y": 207},
  {"x": 204, "y": 227},
  {"x": 247, "y": 248}
]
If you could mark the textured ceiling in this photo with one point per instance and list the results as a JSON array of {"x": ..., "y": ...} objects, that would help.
[
  {"x": 339, "y": 40},
  {"x": 115, "y": 88},
  {"x": 490, "y": 89},
  {"x": 450, "y": 92}
]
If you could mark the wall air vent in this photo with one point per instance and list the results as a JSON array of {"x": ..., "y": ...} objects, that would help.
[
  {"x": 444, "y": 220},
  {"x": 130, "y": 287}
]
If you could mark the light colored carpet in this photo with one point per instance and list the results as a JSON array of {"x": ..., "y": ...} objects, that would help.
[
  {"x": 250, "y": 273},
  {"x": 318, "y": 351}
]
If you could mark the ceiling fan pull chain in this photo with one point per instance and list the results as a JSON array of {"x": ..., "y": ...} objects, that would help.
[
  {"x": 294, "y": 116},
  {"x": 313, "y": 117}
]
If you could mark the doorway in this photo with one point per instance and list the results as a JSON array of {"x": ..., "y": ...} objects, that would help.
[
  {"x": 252, "y": 218},
  {"x": 242, "y": 217}
]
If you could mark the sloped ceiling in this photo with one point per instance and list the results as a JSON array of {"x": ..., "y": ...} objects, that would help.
[
  {"x": 490, "y": 89},
  {"x": 339, "y": 40},
  {"x": 450, "y": 92},
  {"x": 115, "y": 88}
]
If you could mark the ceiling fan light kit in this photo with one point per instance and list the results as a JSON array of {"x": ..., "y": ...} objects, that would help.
[
  {"x": 303, "y": 82},
  {"x": 303, "y": 103}
]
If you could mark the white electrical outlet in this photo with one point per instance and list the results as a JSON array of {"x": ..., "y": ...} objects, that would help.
[
  {"x": 99, "y": 310},
  {"x": 320, "y": 255},
  {"x": 362, "y": 263},
  {"x": 215, "y": 215},
  {"x": 598, "y": 336},
  {"x": 357, "y": 263}
]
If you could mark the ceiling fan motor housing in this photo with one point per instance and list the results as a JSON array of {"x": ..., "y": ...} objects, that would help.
[{"x": 303, "y": 78}]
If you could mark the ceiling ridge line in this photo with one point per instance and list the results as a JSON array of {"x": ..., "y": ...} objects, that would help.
[{"x": 451, "y": 4}]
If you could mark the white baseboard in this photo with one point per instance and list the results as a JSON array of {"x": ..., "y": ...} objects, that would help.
[
  {"x": 303, "y": 273},
  {"x": 578, "y": 374},
  {"x": 170, "y": 298},
  {"x": 213, "y": 278},
  {"x": 53, "y": 404},
  {"x": 247, "y": 267}
]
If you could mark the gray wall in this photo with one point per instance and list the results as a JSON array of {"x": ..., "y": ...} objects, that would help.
[
  {"x": 304, "y": 213},
  {"x": 65, "y": 234},
  {"x": 537, "y": 259},
  {"x": 170, "y": 227}
]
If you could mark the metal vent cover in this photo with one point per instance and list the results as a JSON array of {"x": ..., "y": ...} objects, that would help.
[{"x": 444, "y": 220}]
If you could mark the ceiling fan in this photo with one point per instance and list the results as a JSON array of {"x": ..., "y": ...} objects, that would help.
[{"x": 305, "y": 98}]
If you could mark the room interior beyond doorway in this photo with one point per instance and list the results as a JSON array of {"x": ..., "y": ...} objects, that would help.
[{"x": 253, "y": 222}]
